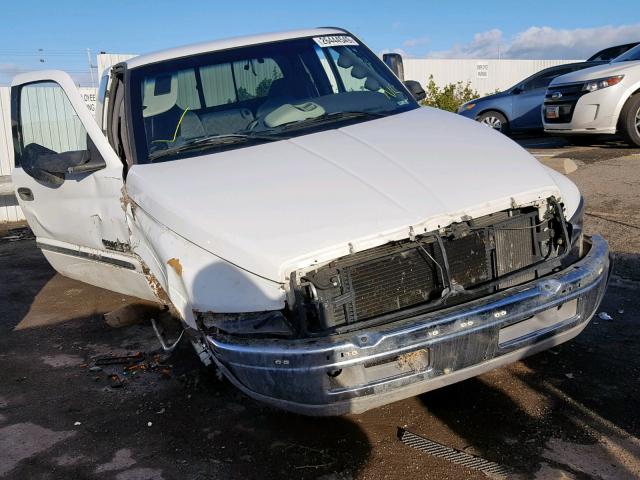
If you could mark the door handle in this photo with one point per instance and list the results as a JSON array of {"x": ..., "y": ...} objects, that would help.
[{"x": 25, "y": 194}]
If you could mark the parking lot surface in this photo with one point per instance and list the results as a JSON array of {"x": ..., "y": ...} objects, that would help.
[{"x": 570, "y": 412}]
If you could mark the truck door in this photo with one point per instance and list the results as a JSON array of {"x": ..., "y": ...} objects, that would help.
[{"x": 69, "y": 183}]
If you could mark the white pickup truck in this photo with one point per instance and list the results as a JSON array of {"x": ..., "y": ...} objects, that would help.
[{"x": 327, "y": 243}]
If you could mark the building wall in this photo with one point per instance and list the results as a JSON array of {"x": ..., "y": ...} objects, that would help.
[{"x": 485, "y": 76}]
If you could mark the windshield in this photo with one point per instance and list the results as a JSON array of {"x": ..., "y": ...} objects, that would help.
[
  {"x": 256, "y": 94},
  {"x": 629, "y": 55}
]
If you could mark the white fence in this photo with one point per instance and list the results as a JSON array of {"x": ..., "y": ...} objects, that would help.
[
  {"x": 9, "y": 210},
  {"x": 485, "y": 76}
]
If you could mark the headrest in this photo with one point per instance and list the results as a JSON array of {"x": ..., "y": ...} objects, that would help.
[
  {"x": 345, "y": 61},
  {"x": 159, "y": 94}
]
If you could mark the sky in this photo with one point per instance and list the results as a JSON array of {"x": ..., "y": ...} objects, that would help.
[{"x": 56, "y": 34}]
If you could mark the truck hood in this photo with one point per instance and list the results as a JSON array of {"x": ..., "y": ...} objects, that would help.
[
  {"x": 592, "y": 73},
  {"x": 276, "y": 207}
]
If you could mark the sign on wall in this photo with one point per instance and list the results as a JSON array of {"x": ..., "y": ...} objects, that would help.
[
  {"x": 89, "y": 96},
  {"x": 482, "y": 70}
]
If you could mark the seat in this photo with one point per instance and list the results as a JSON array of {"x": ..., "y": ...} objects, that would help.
[
  {"x": 226, "y": 121},
  {"x": 280, "y": 93},
  {"x": 191, "y": 126}
]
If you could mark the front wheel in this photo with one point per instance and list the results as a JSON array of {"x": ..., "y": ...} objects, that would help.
[
  {"x": 495, "y": 120},
  {"x": 629, "y": 122}
]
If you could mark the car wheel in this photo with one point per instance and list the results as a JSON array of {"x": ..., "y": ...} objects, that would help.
[
  {"x": 495, "y": 120},
  {"x": 629, "y": 122}
]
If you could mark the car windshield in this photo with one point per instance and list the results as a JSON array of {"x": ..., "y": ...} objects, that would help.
[
  {"x": 629, "y": 55},
  {"x": 260, "y": 93}
]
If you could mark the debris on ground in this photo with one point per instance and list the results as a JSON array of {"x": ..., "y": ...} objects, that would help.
[
  {"x": 121, "y": 369},
  {"x": 17, "y": 234},
  {"x": 605, "y": 316},
  {"x": 116, "y": 382},
  {"x": 119, "y": 360}
]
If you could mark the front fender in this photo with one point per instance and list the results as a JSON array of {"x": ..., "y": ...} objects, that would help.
[
  {"x": 635, "y": 88},
  {"x": 191, "y": 279}
]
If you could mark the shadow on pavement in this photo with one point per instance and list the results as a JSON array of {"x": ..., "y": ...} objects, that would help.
[{"x": 571, "y": 408}]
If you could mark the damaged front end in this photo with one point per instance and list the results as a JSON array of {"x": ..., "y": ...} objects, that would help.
[{"x": 409, "y": 316}]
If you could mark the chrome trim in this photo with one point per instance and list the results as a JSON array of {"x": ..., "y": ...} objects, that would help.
[
  {"x": 294, "y": 374},
  {"x": 97, "y": 257}
]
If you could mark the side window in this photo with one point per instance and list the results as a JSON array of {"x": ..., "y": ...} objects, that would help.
[
  {"x": 51, "y": 139},
  {"x": 326, "y": 66},
  {"x": 102, "y": 105},
  {"x": 357, "y": 74},
  {"x": 48, "y": 120},
  {"x": 254, "y": 77},
  {"x": 352, "y": 73},
  {"x": 187, "y": 90},
  {"x": 217, "y": 84},
  {"x": 545, "y": 79}
]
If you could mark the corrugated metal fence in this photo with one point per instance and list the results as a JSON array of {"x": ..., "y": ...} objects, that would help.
[
  {"x": 9, "y": 210},
  {"x": 485, "y": 76}
]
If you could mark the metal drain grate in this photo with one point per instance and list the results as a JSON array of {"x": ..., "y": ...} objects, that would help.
[{"x": 451, "y": 454}]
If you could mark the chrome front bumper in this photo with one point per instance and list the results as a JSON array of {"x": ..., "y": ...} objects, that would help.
[{"x": 354, "y": 372}]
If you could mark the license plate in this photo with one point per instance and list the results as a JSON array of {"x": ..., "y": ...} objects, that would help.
[{"x": 552, "y": 112}]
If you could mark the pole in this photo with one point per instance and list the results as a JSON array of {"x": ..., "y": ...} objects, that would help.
[{"x": 93, "y": 83}]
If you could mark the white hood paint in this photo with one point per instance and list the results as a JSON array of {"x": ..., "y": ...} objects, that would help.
[
  {"x": 276, "y": 207},
  {"x": 593, "y": 73}
]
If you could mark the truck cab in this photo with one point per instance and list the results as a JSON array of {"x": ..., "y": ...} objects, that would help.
[{"x": 328, "y": 244}]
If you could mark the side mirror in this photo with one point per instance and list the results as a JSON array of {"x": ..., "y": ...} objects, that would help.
[
  {"x": 394, "y": 62},
  {"x": 415, "y": 89},
  {"x": 50, "y": 167},
  {"x": 518, "y": 90},
  {"x": 79, "y": 161}
]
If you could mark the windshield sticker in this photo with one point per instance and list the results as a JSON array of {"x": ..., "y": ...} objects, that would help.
[{"x": 335, "y": 41}]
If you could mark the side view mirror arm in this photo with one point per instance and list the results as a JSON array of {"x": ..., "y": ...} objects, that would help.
[
  {"x": 79, "y": 161},
  {"x": 90, "y": 166}
]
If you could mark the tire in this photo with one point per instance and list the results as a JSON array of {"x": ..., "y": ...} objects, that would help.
[
  {"x": 629, "y": 122},
  {"x": 495, "y": 120},
  {"x": 581, "y": 140}
]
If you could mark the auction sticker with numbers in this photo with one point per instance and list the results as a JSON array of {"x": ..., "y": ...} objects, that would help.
[{"x": 335, "y": 40}]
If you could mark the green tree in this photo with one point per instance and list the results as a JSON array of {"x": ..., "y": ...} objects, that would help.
[{"x": 450, "y": 97}]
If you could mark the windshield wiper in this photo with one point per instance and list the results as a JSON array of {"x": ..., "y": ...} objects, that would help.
[
  {"x": 328, "y": 118},
  {"x": 217, "y": 140}
]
